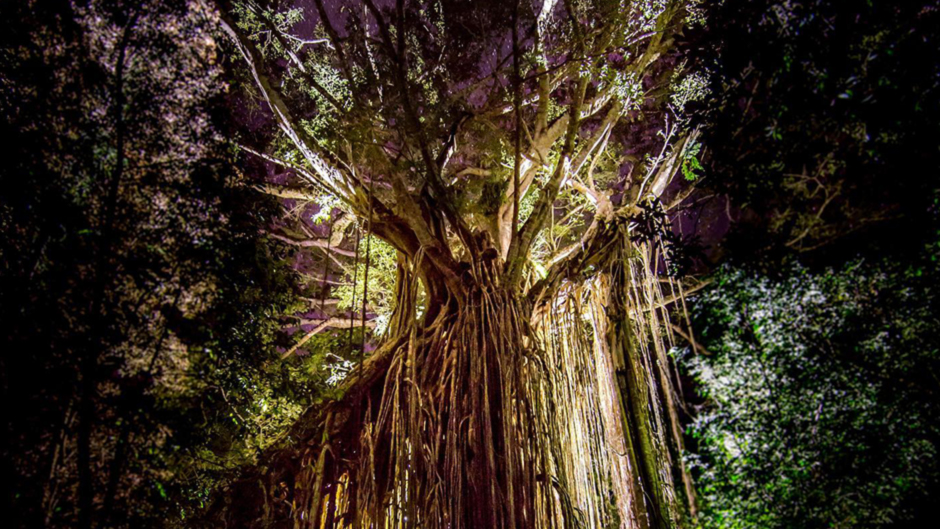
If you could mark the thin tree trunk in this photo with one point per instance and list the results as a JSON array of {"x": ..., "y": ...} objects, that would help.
[{"x": 88, "y": 366}]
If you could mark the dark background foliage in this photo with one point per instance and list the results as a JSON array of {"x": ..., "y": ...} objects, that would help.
[
  {"x": 817, "y": 403},
  {"x": 139, "y": 302},
  {"x": 821, "y": 132}
]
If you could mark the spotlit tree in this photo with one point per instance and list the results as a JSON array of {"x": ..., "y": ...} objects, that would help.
[{"x": 520, "y": 158}]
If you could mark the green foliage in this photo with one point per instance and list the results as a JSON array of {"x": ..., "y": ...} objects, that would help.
[
  {"x": 382, "y": 262},
  {"x": 158, "y": 295},
  {"x": 820, "y": 390},
  {"x": 625, "y": 87},
  {"x": 818, "y": 129},
  {"x": 492, "y": 191},
  {"x": 691, "y": 88},
  {"x": 819, "y": 384},
  {"x": 690, "y": 161}
]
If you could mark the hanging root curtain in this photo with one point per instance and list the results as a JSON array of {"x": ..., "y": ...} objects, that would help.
[{"x": 495, "y": 411}]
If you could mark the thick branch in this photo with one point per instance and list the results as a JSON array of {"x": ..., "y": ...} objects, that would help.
[
  {"x": 517, "y": 102},
  {"x": 328, "y": 176},
  {"x": 299, "y": 64},
  {"x": 595, "y": 250},
  {"x": 313, "y": 243},
  {"x": 290, "y": 192},
  {"x": 519, "y": 247},
  {"x": 399, "y": 58}
]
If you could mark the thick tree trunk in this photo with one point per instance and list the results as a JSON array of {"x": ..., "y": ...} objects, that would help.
[
  {"x": 642, "y": 410},
  {"x": 445, "y": 437},
  {"x": 489, "y": 416},
  {"x": 638, "y": 350}
]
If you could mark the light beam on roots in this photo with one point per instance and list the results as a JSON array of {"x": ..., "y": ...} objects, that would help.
[{"x": 489, "y": 418}]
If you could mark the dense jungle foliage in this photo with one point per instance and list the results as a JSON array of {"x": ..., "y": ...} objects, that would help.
[
  {"x": 137, "y": 298},
  {"x": 821, "y": 396},
  {"x": 816, "y": 396}
]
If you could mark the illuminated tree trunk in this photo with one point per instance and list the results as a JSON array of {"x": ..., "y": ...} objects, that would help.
[
  {"x": 647, "y": 398},
  {"x": 496, "y": 413},
  {"x": 444, "y": 437},
  {"x": 527, "y": 395}
]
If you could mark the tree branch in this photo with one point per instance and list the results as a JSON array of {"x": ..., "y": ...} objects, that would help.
[
  {"x": 328, "y": 176},
  {"x": 276, "y": 32},
  {"x": 522, "y": 241},
  {"x": 312, "y": 243}
]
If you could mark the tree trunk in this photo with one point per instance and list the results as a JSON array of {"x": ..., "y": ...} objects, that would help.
[
  {"x": 445, "y": 436},
  {"x": 493, "y": 414}
]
